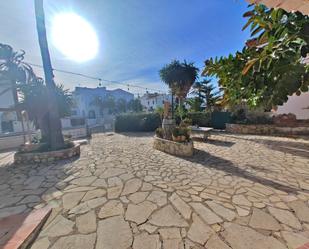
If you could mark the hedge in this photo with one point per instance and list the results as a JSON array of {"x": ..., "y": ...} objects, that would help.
[
  {"x": 137, "y": 122},
  {"x": 200, "y": 118}
]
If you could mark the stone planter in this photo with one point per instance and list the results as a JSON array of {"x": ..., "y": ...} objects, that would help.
[
  {"x": 174, "y": 148},
  {"x": 168, "y": 125},
  {"x": 179, "y": 139},
  {"x": 31, "y": 147},
  {"x": 49, "y": 156}
]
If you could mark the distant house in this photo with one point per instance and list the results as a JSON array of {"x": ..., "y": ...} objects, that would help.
[
  {"x": 84, "y": 98},
  {"x": 12, "y": 133},
  {"x": 151, "y": 101},
  {"x": 10, "y": 122}
]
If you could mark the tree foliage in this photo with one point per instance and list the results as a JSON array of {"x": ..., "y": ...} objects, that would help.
[
  {"x": 33, "y": 99},
  {"x": 117, "y": 106},
  {"x": 270, "y": 66},
  {"x": 206, "y": 94},
  {"x": 135, "y": 105},
  {"x": 12, "y": 67},
  {"x": 179, "y": 76}
]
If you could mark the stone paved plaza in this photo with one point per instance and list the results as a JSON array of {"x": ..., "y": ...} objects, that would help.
[{"x": 240, "y": 192}]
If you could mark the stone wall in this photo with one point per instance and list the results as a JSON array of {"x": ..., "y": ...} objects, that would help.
[
  {"x": 267, "y": 129},
  {"x": 43, "y": 157},
  {"x": 174, "y": 148}
]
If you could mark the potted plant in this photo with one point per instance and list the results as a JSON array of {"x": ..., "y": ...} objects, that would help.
[
  {"x": 180, "y": 134},
  {"x": 160, "y": 132}
]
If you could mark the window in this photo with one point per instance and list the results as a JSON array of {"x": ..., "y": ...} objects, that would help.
[
  {"x": 77, "y": 122},
  {"x": 7, "y": 126},
  {"x": 91, "y": 114}
]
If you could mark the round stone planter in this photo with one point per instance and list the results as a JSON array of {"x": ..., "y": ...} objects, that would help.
[
  {"x": 49, "y": 156},
  {"x": 174, "y": 148}
]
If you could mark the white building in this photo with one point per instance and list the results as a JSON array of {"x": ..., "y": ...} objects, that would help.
[
  {"x": 9, "y": 122},
  {"x": 151, "y": 101},
  {"x": 298, "y": 105},
  {"x": 12, "y": 134}
]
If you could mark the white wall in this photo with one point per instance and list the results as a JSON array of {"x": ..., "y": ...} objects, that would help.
[{"x": 296, "y": 105}]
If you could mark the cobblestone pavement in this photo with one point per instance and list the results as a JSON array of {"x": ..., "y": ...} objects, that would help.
[{"x": 240, "y": 192}]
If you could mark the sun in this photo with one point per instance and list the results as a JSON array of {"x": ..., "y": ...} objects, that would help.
[{"x": 74, "y": 37}]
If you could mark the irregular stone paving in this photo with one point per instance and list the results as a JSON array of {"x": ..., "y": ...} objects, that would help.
[{"x": 236, "y": 192}]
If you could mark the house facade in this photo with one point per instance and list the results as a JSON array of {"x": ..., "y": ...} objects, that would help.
[
  {"x": 84, "y": 98},
  {"x": 151, "y": 101},
  {"x": 9, "y": 122}
]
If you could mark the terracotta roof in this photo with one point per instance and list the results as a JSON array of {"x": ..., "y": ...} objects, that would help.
[{"x": 289, "y": 5}]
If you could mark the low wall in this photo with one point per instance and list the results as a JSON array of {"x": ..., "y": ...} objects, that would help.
[
  {"x": 12, "y": 141},
  {"x": 174, "y": 148},
  {"x": 75, "y": 132},
  {"x": 43, "y": 157},
  {"x": 267, "y": 129}
]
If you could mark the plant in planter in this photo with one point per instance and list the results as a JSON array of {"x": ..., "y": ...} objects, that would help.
[
  {"x": 179, "y": 76},
  {"x": 181, "y": 134},
  {"x": 160, "y": 132},
  {"x": 186, "y": 122}
]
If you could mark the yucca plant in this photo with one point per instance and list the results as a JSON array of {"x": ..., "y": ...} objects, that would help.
[{"x": 179, "y": 76}]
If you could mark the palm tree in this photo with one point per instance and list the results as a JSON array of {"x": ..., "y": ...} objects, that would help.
[
  {"x": 179, "y": 76},
  {"x": 30, "y": 89},
  {"x": 13, "y": 71},
  {"x": 52, "y": 117}
]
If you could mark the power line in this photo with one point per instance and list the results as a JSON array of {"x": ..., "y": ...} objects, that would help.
[{"x": 97, "y": 78}]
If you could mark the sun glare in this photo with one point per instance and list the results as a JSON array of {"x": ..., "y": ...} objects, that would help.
[{"x": 74, "y": 37}]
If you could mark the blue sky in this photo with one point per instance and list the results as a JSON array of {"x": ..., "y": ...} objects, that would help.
[{"x": 137, "y": 37}]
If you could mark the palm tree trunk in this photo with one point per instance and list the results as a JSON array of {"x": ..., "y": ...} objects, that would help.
[{"x": 55, "y": 137}]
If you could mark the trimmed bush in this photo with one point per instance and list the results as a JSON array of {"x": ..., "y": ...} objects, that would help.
[
  {"x": 137, "y": 122},
  {"x": 200, "y": 118}
]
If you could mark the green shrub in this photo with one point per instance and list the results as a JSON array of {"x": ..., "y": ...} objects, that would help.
[
  {"x": 160, "y": 132},
  {"x": 200, "y": 118},
  {"x": 241, "y": 117},
  {"x": 181, "y": 131},
  {"x": 137, "y": 122},
  {"x": 186, "y": 122}
]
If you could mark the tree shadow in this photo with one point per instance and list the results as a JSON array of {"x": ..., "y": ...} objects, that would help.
[
  {"x": 296, "y": 148},
  {"x": 210, "y": 161},
  {"x": 136, "y": 134},
  {"x": 213, "y": 142},
  {"x": 19, "y": 181}
]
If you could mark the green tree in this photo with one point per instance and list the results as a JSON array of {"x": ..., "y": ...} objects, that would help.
[
  {"x": 108, "y": 102},
  {"x": 179, "y": 76},
  {"x": 121, "y": 105},
  {"x": 160, "y": 111},
  {"x": 12, "y": 66},
  {"x": 269, "y": 68},
  {"x": 135, "y": 105},
  {"x": 206, "y": 94},
  {"x": 33, "y": 100},
  {"x": 31, "y": 90},
  {"x": 194, "y": 103}
]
